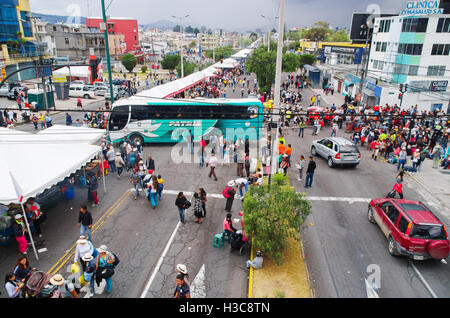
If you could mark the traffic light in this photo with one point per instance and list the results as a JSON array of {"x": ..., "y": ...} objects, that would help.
[{"x": 400, "y": 96}]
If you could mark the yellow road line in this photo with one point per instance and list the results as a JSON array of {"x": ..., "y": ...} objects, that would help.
[
  {"x": 250, "y": 279},
  {"x": 100, "y": 219},
  {"x": 93, "y": 231}
]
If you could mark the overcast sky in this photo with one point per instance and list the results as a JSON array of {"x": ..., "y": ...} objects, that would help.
[{"x": 228, "y": 14}]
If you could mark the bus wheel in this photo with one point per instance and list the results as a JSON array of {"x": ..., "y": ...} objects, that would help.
[{"x": 137, "y": 139}]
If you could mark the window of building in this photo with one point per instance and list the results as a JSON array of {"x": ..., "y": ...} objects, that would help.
[
  {"x": 410, "y": 49},
  {"x": 440, "y": 49},
  {"x": 443, "y": 25},
  {"x": 54, "y": 28},
  {"x": 415, "y": 25},
  {"x": 436, "y": 70},
  {"x": 413, "y": 70},
  {"x": 66, "y": 40},
  {"x": 385, "y": 26}
]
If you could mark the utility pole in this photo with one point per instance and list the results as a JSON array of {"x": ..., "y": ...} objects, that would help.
[
  {"x": 277, "y": 92},
  {"x": 182, "y": 37},
  {"x": 108, "y": 58},
  {"x": 269, "y": 31}
]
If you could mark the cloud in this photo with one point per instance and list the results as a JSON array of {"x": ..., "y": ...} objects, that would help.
[{"x": 230, "y": 14}]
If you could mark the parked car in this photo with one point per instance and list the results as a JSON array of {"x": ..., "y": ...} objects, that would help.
[
  {"x": 6, "y": 88},
  {"x": 100, "y": 90},
  {"x": 119, "y": 92},
  {"x": 12, "y": 95},
  {"x": 337, "y": 151},
  {"x": 411, "y": 228},
  {"x": 81, "y": 91},
  {"x": 119, "y": 81}
]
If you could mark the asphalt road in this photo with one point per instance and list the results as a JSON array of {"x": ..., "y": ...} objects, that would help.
[{"x": 340, "y": 242}]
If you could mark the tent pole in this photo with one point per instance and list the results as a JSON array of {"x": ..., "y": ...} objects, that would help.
[
  {"x": 29, "y": 232},
  {"x": 103, "y": 172}
]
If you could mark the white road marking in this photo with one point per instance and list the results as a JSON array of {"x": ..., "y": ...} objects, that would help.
[
  {"x": 371, "y": 293},
  {"x": 312, "y": 198},
  {"x": 160, "y": 261},
  {"x": 198, "y": 288},
  {"x": 42, "y": 250},
  {"x": 424, "y": 282}
]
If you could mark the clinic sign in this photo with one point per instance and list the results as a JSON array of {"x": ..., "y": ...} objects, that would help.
[{"x": 417, "y": 7}]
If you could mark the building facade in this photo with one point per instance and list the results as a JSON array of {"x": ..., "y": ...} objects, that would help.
[
  {"x": 126, "y": 26},
  {"x": 17, "y": 39},
  {"x": 412, "y": 50}
]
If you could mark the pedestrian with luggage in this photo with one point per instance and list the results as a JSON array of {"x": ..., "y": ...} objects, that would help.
[
  {"x": 120, "y": 163},
  {"x": 229, "y": 193},
  {"x": 89, "y": 265},
  {"x": 85, "y": 222}
]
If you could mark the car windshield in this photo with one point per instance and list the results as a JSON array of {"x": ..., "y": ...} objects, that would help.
[
  {"x": 412, "y": 207},
  {"x": 433, "y": 232},
  {"x": 349, "y": 149}
]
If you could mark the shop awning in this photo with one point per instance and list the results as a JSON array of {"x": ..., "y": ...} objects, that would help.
[{"x": 348, "y": 83}]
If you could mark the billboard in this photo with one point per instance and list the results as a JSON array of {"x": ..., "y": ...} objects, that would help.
[
  {"x": 358, "y": 32},
  {"x": 418, "y": 7}
]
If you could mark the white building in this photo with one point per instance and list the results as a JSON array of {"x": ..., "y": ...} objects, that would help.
[{"x": 412, "y": 50}]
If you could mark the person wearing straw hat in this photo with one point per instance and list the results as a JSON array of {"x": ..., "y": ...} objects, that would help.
[
  {"x": 104, "y": 262},
  {"x": 19, "y": 229},
  {"x": 182, "y": 270},
  {"x": 84, "y": 247},
  {"x": 89, "y": 263},
  {"x": 231, "y": 193},
  {"x": 65, "y": 290}
]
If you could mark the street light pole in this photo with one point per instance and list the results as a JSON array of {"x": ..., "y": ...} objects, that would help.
[
  {"x": 277, "y": 92},
  {"x": 108, "y": 58},
  {"x": 182, "y": 37}
]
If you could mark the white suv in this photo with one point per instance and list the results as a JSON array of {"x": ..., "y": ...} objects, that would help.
[{"x": 81, "y": 91}]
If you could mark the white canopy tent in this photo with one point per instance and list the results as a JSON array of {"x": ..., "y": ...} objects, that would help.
[
  {"x": 35, "y": 167},
  {"x": 242, "y": 54},
  {"x": 176, "y": 87},
  {"x": 56, "y": 134},
  {"x": 75, "y": 71},
  {"x": 227, "y": 63}
]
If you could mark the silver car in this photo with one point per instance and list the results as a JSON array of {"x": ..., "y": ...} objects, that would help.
[{"x": 337, "y": 151}]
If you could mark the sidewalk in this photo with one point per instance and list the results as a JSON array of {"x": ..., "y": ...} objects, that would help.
[
  {"x": 434, "y": 184},
  {"x": 328, "y": 100},
  {"x": 68, "y": 104}
]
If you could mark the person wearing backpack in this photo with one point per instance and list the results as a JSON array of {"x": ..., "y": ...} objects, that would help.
[
  {"x": 229, "y": 192},
  {"x": 105, "y": 267},
  {"x": 89, "y": 263}
]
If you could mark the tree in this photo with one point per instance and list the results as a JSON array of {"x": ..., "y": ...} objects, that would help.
[
  {"x": 263, "y": 64},
  {"x": 144, "y": 69},
  {"x": 170, "y": 62},
  {"x": 306, "y": 59},
  {"x": 253, "y": 36},
  {"x": 188, "y": 67},
  {"x": 221, "y": 52},
  {"x": 189, "y": 29},
  {"x": 320, "y": 32},
  {"x": 291, "y": 62},
  {"x": 192, "y": 45},
  {"x": 177, "y": 28},
  {"x": 340, "y": 36},
  {"x": 196, "y": 31},
  {"x": 129, "y": 61},
  {"x": 273, "y": 215}
]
